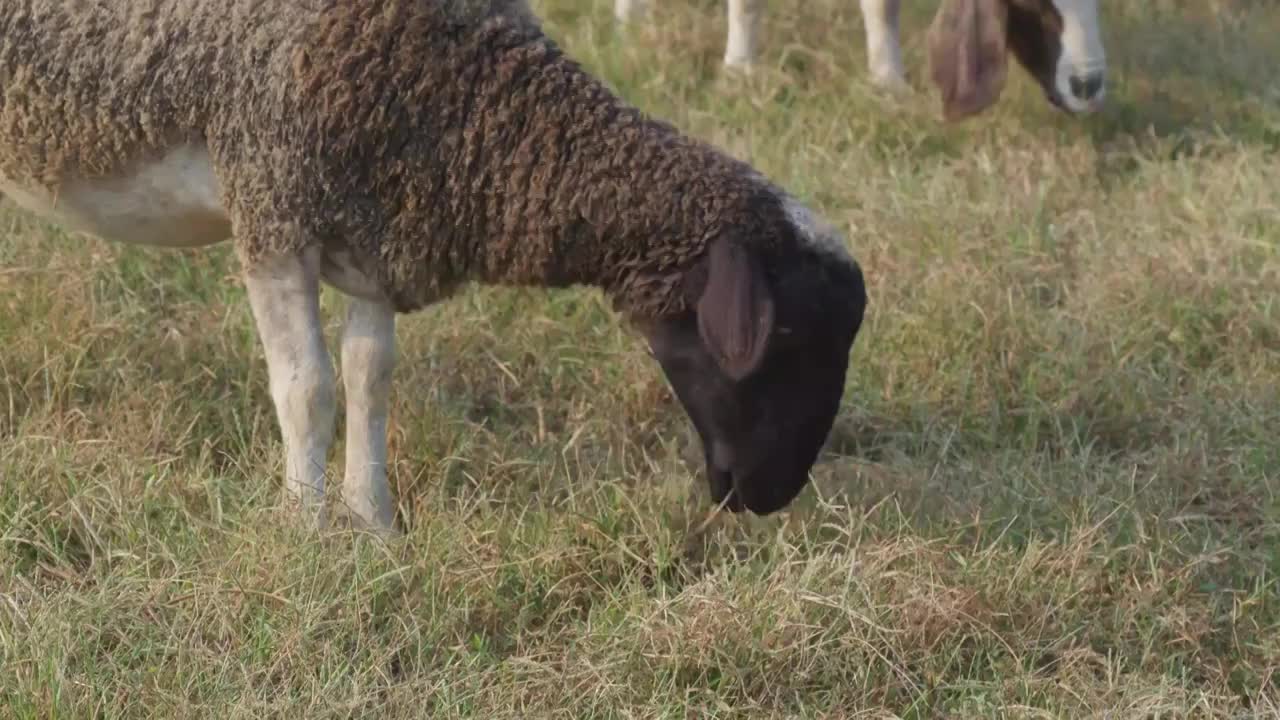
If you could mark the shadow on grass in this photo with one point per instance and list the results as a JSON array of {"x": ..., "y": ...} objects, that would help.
[{"x": 1180, "y": 74}]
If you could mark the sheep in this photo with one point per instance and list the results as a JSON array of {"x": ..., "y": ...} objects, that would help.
[
  {"x": 1058, "y": 42},
  {"x": 398, "y": 149}
]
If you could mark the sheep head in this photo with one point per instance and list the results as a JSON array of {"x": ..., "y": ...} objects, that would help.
[{"x": 759, "y": 363}]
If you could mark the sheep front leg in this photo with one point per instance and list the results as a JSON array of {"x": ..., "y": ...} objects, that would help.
[
  {"x": 368, "y": 358},
  {"x": 628, "y": 10},
  {"x": 744, "y": 23},
  {"x": 284, "y": 294},
  {"x": 884, "y": 53}
]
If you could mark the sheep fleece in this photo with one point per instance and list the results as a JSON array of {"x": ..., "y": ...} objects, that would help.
[{"x": 441, "y": 141}]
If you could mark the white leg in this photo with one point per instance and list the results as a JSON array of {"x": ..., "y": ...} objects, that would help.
[
  {"x": 368, "y": 357},
  {"x": 744, "y": 23},
  {"x": 884, "y": 53},
  {"x": 284, "y": 293},
  {"x": 627, "y": 10}
]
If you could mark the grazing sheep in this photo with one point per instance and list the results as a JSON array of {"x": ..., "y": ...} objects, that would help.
[
  {"x": 396, "y": 149},
  {"x": 1057, "y": 41}
]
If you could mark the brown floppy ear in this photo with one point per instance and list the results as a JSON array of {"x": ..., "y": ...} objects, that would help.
[
  {"x": 735, "y": 312},
  {"x": 967, "y": 54}
]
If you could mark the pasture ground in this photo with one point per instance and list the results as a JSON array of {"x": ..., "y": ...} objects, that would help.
[{"x": 1052, "y": 490}]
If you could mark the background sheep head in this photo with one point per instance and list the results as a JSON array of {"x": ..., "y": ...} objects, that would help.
[{"x": 1058, "y": 42}]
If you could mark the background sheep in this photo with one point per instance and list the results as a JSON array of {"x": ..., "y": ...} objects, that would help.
[
  {"x": 397, "y": 149},
  {"x": 1059, "y": 42}
]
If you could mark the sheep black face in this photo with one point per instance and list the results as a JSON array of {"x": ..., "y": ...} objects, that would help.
[
  {"x": 760, "y": 368},
  {"x": 1058, "y": 42}
]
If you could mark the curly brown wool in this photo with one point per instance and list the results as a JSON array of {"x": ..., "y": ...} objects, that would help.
[{"x": 439, "y": 141}]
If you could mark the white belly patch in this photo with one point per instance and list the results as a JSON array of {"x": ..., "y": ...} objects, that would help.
[{"x": 170, "y": 202}]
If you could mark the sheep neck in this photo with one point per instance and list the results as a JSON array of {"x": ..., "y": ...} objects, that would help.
[{"x": 597, "y": 193}]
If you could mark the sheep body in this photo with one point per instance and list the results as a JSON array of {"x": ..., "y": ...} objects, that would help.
[
  {"x": 352, "y": 125},
  {"x": 399, "y": 148}
]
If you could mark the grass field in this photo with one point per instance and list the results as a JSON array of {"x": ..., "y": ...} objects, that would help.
[{"x": 1053, "y": 490}]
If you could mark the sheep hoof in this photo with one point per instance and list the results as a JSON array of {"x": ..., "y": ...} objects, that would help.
[
  {"x": 891, "y": 81},
  {"x": 346, "y": 518},
  {"x": 739, "y": 66},
  {"x": 734, "y": 79}
]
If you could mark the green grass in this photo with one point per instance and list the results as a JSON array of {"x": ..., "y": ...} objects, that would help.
[{"x": 1052, "y": 490}]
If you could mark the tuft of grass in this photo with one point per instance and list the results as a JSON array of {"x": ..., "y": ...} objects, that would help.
[{"x": 1051, "y": 491}]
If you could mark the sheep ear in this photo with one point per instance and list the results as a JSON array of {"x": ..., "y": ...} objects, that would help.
[
  {"x": 735, "y": 312},
  {"x": 967, "y": 55}
]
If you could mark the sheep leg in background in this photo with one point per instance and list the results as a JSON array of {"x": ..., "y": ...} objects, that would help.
[
  {"x": 368, "y": 358},
  {"x": 284, "y": 293},
  {"x": 884, "y": 53},
  {"x": 627, "y": 10},
  {"x": 744, "y": 24}
]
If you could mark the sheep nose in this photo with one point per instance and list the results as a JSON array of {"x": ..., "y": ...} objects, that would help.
[{"x": 1086, "y": 86}]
